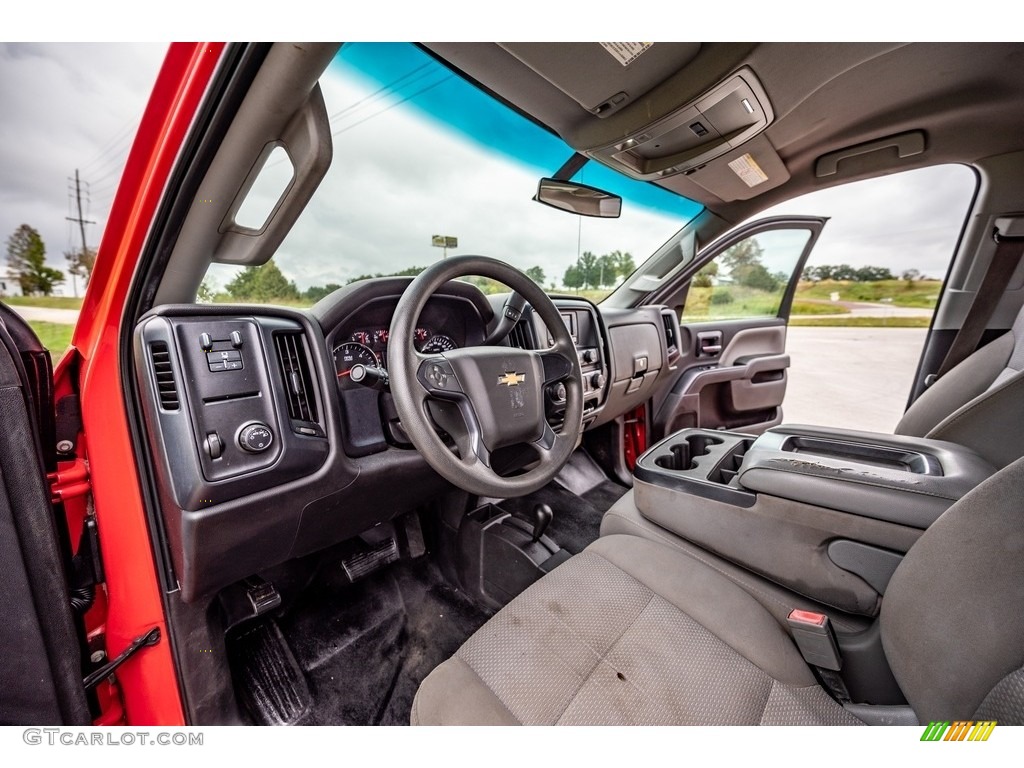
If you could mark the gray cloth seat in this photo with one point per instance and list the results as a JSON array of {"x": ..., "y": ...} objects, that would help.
[
  {"x": 628, "y": 633},
  {"x": 979, "y": 403},
  {"x": 634, "y": 631}
]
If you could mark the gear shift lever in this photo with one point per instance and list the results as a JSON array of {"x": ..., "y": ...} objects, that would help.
[{"x": 542, "y": 515}]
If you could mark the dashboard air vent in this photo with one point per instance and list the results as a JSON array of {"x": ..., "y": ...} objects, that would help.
[
  {"x": 521, "y": 335},
  {"x": 298, "y": 379},
  {"x": 163, "y": 372}
]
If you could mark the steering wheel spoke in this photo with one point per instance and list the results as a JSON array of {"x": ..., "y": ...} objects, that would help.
[
  {"x": 557, "y": 364},
  {"x": 546, "y": 442}
]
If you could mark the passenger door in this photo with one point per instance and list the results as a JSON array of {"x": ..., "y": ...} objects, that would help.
[{"x": 733, "y": 302}]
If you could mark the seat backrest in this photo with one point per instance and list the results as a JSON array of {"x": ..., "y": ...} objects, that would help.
[
  {"x": 953, "y": 615},
  {"x": 979, "y": 403}
]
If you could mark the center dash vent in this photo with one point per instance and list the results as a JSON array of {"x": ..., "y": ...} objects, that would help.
[
  {"x": 298, "y": 379},
  {"x": 163, "y": 373},
  {"x": 521, "y": 335}
]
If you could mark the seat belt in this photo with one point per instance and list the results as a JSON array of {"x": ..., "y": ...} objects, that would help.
[{"x": 1004, "y": 263}]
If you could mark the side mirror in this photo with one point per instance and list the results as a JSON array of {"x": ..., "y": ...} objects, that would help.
[{"x": 579, "y": 199}]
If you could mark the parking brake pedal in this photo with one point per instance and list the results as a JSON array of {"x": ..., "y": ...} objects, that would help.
[{"x": 248, "y": 599}]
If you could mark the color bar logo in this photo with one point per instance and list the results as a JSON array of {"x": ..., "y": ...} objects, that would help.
[{"x": 961, "y": 730}]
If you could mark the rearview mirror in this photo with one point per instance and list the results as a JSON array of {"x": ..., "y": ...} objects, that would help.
[{"x": 579, "y": 198}]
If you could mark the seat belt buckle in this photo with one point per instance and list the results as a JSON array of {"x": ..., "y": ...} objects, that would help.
[{"x": 813, "y": 634}]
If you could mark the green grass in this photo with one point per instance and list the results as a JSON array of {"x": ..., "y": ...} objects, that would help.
[
  {"x": 729, "y": 301},
  {"x": 50, "y": 302},
  {"x": 802, "y": 307},
  {"x": 921, "y": 293},
  {"x": 863, "y": 322},
  {"x": 56, "y": 337}
]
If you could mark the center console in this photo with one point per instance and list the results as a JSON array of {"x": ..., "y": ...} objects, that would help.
[{"x": 827, "y": 513}]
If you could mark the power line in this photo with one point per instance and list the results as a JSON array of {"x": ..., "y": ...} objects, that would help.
[
  {"x": 81, "y": 225},
  {"x": 392, "y": 106},
  {"x": 122, "y": 135}
]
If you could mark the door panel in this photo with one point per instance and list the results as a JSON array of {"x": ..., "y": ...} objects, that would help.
[{"x": 734, "y": 302}]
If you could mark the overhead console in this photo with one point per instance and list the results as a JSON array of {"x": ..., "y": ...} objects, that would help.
[
  {"x": 828, "y": 513},
  {"x": 726, "y": 117}
]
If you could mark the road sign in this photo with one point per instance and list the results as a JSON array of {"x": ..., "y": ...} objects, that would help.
[{"x": 444, "y": 241}]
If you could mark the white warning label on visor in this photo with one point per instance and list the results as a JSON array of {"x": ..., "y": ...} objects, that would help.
[
  {"x": 748, "y": 170},
  {"x": 626, "y": 53}
]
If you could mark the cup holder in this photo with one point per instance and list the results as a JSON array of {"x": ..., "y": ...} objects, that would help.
[{"x": 684, "y": 454}]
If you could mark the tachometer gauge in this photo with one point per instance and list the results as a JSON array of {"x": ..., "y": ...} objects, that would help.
[
  {"x": 439, "y": 343},
  {"x": 350, "y": 354}
]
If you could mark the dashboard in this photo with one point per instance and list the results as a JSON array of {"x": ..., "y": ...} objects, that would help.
[{"x": 265, "y": 449}]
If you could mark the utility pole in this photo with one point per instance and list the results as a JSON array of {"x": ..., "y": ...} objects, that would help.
[{"x": 81, "y": 226}]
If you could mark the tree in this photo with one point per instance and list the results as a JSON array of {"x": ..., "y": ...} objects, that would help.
[
  {"x": 316, "y": 292},
  {"x": 264, "y": 284},
  {"x": 624, "y": 263},
  {"x": 744, "y": 253},
  {"x": 80, "y": 263},
  {"x": 206, "y": 293},
  {"x": 755, "y": 276},
  {"x": 536, "y": 274},
  {"x": 26, "y": 256},
  {"x": 607, "y": 270},
  {"x": 573, "y": 277},
  {"x": 869, "y": 274},
  {"x": 706, "y": 275},
  {"x": 589, "y": 269},
  {"x": 910, "y": 275}
]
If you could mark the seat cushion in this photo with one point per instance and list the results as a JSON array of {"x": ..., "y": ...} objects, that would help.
[{"x": 628, "y": 632}]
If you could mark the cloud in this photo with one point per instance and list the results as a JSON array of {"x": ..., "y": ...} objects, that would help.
[
  {"x": 67, "y": 106},
  {"x": 398, "y": 178},
  {"x": 903, "y": 221}
]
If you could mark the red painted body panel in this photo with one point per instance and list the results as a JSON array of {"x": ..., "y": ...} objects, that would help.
[{"x": 148, "y": 683}]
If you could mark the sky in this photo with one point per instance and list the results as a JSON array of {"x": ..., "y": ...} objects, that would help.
[{"x": 69, "y": 106}]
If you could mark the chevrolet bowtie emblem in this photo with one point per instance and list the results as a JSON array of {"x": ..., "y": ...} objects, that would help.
[{"x": 511, "y": 379}]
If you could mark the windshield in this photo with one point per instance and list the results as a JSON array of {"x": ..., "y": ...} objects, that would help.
[{"x": 427, "y": 166}]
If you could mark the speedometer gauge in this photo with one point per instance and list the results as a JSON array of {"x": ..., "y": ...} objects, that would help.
[
  {"x": 439, "y": 343},
  {"x": 348, "y": 355}
]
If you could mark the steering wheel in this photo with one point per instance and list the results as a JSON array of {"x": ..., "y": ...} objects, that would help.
[{"x": 486, "y": 398}]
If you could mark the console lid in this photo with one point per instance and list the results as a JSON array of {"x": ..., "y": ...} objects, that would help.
[{"x": 904, "y": 480}]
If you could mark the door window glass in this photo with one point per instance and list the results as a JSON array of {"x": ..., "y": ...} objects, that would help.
[{"x": 748, "y": 279}]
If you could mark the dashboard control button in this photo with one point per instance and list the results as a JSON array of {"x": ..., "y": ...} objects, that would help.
[
  {"x": 236, "y": 339},
  {"x": 597, "y": 380},
  {"x": 589, "y": 356},
  {"x": 205, "y": 342},
  {"x": 255, "y": 438},
  {"x": 213, "y": 445}
]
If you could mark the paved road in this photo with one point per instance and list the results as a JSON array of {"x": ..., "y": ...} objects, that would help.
[
  {"x": 869, "y": 309},
  {"x": 857, "y": 378},
  {"x": 66, "y": 316}
]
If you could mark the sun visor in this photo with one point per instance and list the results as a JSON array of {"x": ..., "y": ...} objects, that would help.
[
  {"x": 721, "y": 120},
  {"x": 743, "y": 173},
  {"x": 604, "y": 77}
]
